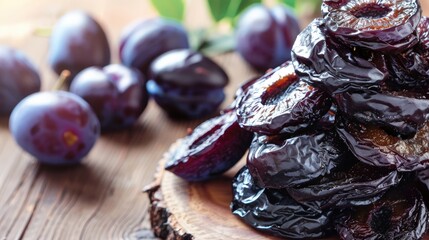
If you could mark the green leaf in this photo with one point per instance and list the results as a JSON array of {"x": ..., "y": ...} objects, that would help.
[
  {"x": 218, "y": 44},
  {"x": 170, "y": 9},
  {"x": 290, "y": 3},
  {"x": 197, "y": 37},
  {"x": 219, "y": 8},
  {"x": 244, "y": 4}
]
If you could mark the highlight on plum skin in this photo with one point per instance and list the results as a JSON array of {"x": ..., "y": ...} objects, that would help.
[
  {"x": 266, "y": 35},
  {"x": 19, "y": 78},
  {"x": 78, "y": 41},
  {"x": 145, "y": 40},
  {"x": 187, "y": 84},
  {"x": 116, "y": 93},
  {"x": 57, "y": 128}
]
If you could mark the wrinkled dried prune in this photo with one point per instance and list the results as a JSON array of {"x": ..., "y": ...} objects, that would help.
[
  {"x": 327, "y": 121},
  {"x": 396, "y": 112},
  {"x": 283, "y": 161},
  {"x": 325, "y": 64},
  {"x": 381, "y": 25},
  {"x": 210, "y": 149},
  {"x": 399, "y": 214},
  {"x": 275, "y": 212},
  {"x": 352, "y": 183},
  {"x": 373, "y": 145},
  {"x": 280, "y": 103},
  {"x": 410, "y": 69}
]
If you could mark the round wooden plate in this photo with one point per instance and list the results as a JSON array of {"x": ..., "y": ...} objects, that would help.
[{"x": 183, "y": 210}]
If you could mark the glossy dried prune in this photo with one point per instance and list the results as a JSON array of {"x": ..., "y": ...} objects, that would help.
[
  {"x": 399, "y": 214},
  {"x": 372, "y": 145},
  {"x": 381, "y": 25},
  {"x": 410, "y": 69},
  {"x": 397, "y": 112},
  {"x": 280, "y": 103},
  {"x": 210, "y": 149},
  {"x": 275, "y": 212},
  {"x": 325, "y": 64},
  {"x": 282, "y": 161},
  {"x": 353, "y": 183}
]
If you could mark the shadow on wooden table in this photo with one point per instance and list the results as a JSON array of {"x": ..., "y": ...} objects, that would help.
[
  {"x": 139, "y": 134},
  {"x": 4, "y": 122},
  {"x": 81, "y": 182}
]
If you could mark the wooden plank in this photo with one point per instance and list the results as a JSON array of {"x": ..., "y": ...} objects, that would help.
[{"x": 102, "y": 198}]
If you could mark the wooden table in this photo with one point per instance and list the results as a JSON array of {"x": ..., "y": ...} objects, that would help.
[{"x": 101, "y": 198}]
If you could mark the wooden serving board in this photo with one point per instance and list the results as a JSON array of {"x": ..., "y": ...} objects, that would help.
[{"x": 182, "y": 210}]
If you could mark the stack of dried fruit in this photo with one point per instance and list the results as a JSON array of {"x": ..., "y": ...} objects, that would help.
[{"x": 340, "y": 134}]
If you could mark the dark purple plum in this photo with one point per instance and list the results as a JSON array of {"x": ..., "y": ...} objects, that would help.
[
  {"x": 18, "y": 78},
  {"x": 78, "y": 41},
  {"x": 400, "y": 113},
  {"x": 285, "y": 161},
  {"x": 381, "y": 25},
  {"x": 57, "y": 128},
  {"x": 116, "y": 93},
  {"x": 275, "y": 212},
  {"x": 374, "y": 146},
  {"x": 265, "y": 36},
  {"x": 210, "y": 149},
  {"x": 187, "y": 84},
  {"x": 145, "y": 40},
  {"x": 280, "y": 103},
  {"x": 326, "y": 64},
  {"x": 399, "y": 214},
  {"x": 351, "y": 183}
]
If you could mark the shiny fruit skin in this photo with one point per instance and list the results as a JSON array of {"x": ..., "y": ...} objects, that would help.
[
  {"x": 187, "y": 84},
  {"x": 286, "y": 161},
  {"x": 143, "y": 41},
  {"x": 382, "y": 25},
  {"x": 77, "y": 42},
  {"x": 116, "y": 93},
  {"x": 279, "y": 102},
  {"x": 18, "y": 78},
  {"x": 274, "y": 211},
  {"x": 210, "y": 149},
  {"x": 57, "y": 128},
  {"x": 265, "y": 36}
]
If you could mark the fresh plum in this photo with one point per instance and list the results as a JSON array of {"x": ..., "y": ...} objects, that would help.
[
  {"x": 265, "y": 35},
  {"x": 18, "y": 78},
  {"x": 116, "y": 93},
  {"x": 78, "y": 41}
]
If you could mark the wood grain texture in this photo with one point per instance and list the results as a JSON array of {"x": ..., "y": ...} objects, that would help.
[
  {"x": 102, "y": 198},
  {"x": 181, "y": 210}
]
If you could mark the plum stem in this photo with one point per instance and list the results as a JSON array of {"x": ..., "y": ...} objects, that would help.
[{"x": 63, "y": 80}]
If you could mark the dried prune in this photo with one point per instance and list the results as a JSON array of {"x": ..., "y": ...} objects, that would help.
[
  {"x": 327, "y": 121},
  {"x": 210, "y": 149},
  {"x": 373, "y": 145},
  {"x": 280, "y": 103},
  {"x": 352, "y": 183},
  {"x": 275, "y": 212},
  {"x": 423, "y": 177},
  {"x": 396, "y": 112},
  {"x": 325, "y": 64},
  {"x": 410, "y": 69},
  {"x": 399, "y": 214},
  {"x": 283, "y": 161},
  {"x": 381, "y": 25}
]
